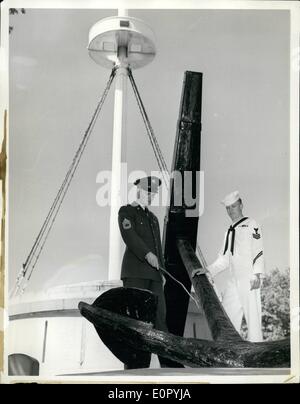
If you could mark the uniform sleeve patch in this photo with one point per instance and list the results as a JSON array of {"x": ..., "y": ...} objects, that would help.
[
  {"x": 256, "y": 235},
  {"x": 126, "y": 224}
]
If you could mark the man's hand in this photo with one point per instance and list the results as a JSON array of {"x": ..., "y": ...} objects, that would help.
[
  {"x": 198, "y": 271},
  {"x": 202, "y": 271},
  {"x": 209, "y": 277},
  {"x": 255, "y": 282},
  {"x": 152, "y": 260}
]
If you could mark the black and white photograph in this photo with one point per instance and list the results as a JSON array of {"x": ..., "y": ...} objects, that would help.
[{"x": 150, "y": 181}]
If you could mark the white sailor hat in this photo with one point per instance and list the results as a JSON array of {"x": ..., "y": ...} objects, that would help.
[
  {"x": 231, "y": 198},
  {"x": 149, "y": 184}
]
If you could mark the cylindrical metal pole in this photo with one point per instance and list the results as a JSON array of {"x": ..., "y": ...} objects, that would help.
[
  {"x": 122, "y": 12},
  {"x": 118, "y": 156}
]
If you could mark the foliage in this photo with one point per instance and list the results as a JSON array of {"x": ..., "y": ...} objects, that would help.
[
  {"x": 275, "y": 295},
  {"x": 13, "y": 11}
]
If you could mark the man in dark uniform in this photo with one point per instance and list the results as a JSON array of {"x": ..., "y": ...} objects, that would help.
[{"x": 143, "y": 255}]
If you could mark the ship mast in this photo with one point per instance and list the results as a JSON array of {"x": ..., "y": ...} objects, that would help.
[
  {"x": 118, "y": 156},
  {"x": 119, "y": 42}
]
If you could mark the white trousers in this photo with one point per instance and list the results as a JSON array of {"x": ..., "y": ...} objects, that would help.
[{"x": 243, "y": 302}]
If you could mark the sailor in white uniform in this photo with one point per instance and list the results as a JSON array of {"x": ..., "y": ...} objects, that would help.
[{"x": 242, "y": 252}]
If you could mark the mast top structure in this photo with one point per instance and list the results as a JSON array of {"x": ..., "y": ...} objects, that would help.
[{"x": 111, "y": 36}]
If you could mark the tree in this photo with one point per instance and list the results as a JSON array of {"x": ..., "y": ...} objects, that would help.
[
  {"x": 275, "y": 299},
  {"x": 275, "y": 295},
  {"x": 13, "y": 11}
]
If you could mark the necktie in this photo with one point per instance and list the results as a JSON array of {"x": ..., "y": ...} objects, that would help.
[{"x": 232, "y": 230}]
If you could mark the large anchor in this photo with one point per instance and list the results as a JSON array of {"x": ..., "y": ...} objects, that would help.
[{"x": 123, "y": 317}]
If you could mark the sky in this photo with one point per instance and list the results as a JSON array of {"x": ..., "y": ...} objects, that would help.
[{"x": 54, "y": 89}]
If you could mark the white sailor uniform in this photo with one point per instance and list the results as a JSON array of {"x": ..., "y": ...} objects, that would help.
[{"x": 242, "y": 253}]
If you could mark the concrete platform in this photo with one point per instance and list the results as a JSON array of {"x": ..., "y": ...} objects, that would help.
[{"x": 191, "y": 372}]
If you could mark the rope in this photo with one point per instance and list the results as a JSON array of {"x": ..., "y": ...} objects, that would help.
[
  {"x": 201, "y": 257},
  {"x": 181, "y": 284},
  {"x": 55, "y": 207},
  {"x": 158, "y": 154},
  {"x": 150, "y": 132},
  {"x": 161, "y": 163},
  {"x": 210, "y": 278}
]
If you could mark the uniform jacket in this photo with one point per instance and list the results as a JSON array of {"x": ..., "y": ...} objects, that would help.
[
  {"x": 141, "y": 234},
  {"x": 242, "y": 251}
]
